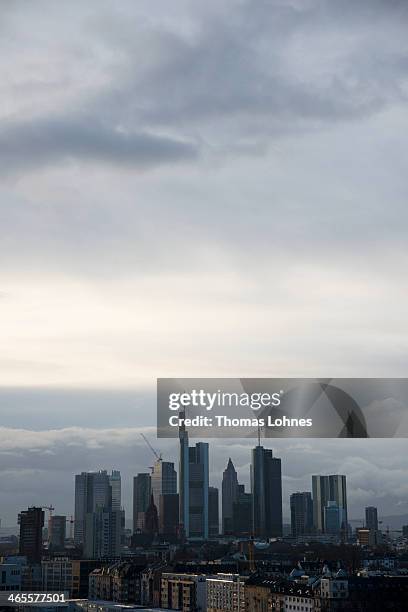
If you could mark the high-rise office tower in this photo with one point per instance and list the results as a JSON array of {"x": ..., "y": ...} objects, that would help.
[
  {"x": 242, "y": 513},
  {"x": 98, "y": 518},
  {"x": 333, "y": 518},
  {"x": 169, "y": 514},
  {"x": 116, "y": 486},
  {"x": 164, "y": 481},
  {"x": 371, "y": 517},
  {"x": 141, "y": 498},
  {"x": 92, "y": 490},
  {"x": 327, "y": 489},
  {"x": 184, "y": 478},
  {"x": 193, "y": 487},
  {"x": 301, "y": 513},
  {"x": 102, "y": 533},
  {"x": 31, "y": 523},
  {"x": 266, "y": 486},
  {"x": 321, "y": 495},
  {"x": 198, "y": 491},
  {"x": 229, "y": 496},
  {"x": 213, "y": 512},
  {"x": 57, "y": 528}
]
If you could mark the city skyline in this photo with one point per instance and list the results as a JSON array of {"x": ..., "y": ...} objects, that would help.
[{"x": 289, "y": 487}]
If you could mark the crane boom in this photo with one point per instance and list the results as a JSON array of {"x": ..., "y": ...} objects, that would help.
[
  {"x": 49, "y": 508},
  {"x": 155, "y": 453}
]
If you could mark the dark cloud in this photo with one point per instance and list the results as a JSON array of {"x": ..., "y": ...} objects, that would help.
[
  {"x": 47, "y": 141},
  {"x": 266, "y": 69},
  {"x": 236, "y": 79}
]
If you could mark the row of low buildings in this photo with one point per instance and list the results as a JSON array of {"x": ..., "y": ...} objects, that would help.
[
  {"x": 197, "y": 592},
  {"x": 197, "y": 587},
  {"x": 70, "y": 576}
]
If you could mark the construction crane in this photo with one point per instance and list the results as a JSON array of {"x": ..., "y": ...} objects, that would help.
[
  {"x": 155, "y": 453},
  {"x": 50, "y": 510}
]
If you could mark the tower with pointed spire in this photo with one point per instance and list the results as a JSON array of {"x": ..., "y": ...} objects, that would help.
[{"x": 151, "y": 518}]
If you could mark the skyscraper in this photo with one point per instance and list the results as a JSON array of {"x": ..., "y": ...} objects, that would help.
[
  {"x": 328, "y": 489},
  {"x": 371, "y": 515},
  {"x": 98, "y": 517},
  {"x": 193, "y": 488},
  {"x": 213, "y": 512},
  {"x": 169, "y": 514},
  {"x": 92, "y": 490},
  {"x": 301, "y": 513},
  {"x": 116, "y": 486},
  {"x": 266, "y": 486},
  {"x": 242, "y": 513},
  {"x": 31, "y": 523},
  {"x": 163, "y": 481},
  {"x": 102, "y": 533},
  {"x": 333, "y": 518},
  {"x": 141, "y": 499},
  {"x": 184, "y": 478},
  {"x": 57, "y": 527},
  {"x": 229, "y": 496}
]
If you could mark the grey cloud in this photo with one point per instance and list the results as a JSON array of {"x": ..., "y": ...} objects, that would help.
[
  {"x": 49, "y": 141},
  {"x": 254, "y": 70},
  {"x": 269, "y": 69}
]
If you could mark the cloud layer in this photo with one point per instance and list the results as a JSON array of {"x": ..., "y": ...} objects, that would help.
[{"x": 202, "y": 189}]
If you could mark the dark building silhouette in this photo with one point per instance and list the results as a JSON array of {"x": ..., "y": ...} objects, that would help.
[
  {"x": 266, "y": 485},
  {"x": 301, "y": 513},
  {"x": 229, "y": 496},
  {"x": 142, "y": 490},
  {"x": 242, "y": 513},
  {"x": 151, "y": 518},
  {"x": 169, "y": 514},
  {"x": 213, "y": 512},
  {"x": 371, "y": 517},
  {"x": 31, "y": 523}
]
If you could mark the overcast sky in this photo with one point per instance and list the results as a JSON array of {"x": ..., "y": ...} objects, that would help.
[{"x": 196, "y": 189}]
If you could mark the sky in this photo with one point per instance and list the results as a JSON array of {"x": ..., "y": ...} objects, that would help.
[{"x": 195, "y": 189}]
